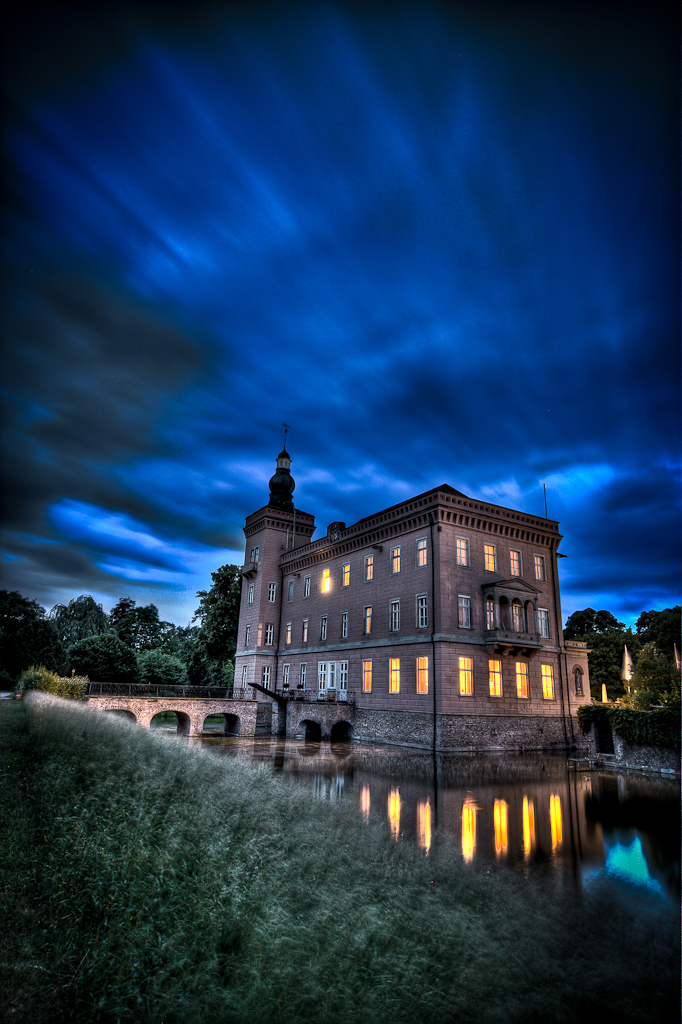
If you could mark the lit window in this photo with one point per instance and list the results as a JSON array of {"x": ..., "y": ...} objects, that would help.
[
  {"x": 547, "y": 681},
  {"x": 346, "y": 574},
  {"x": 555, "y": 821},
  {"x": 285, "y": 677},
  {"x": 422, "y": 612},
  {"x": 269, "y": 634},
  {"x": 245, "y": 672},
  {"x": 424, "y": 824},
  {"x": 394, "y": 675},
  {"x": 528, "y": 826},
  {"x": 395, "y": 559},
  {"x": 272, "y": 592},
  {"x": 322, "y": 675},
  {"x": 395, "y": 615},
  {"x": 367, "y": 677},
  {"x": 500, "y": 823},
  {"x": 343, "y": 675},
  {"x": 369, "y": 567},
  {"x": 306, "y": 586},
  {"x": 422, "y": 552},
  {"x": 462, "y": 551},
  {"x": 265, "y": 677},
  {"x": 578, "y": 675},
  {"x": 495, "y": 677},
  {"x": 323, "y": 628},
  {"x": 517, "y": 617},
  {"x": 250, "y": 598},
  {"x": 394, "y": 813},
  {"x": 490, "y": 557},
  {"x": 422, "y": 675},
  {"x": 344, "y": 624},
  {"x": 468, "y": 830},
  {"x": 305, "y": 631},
  {"x": 543, "y": 622},
  {"x": 539, "y": 567},
  {"x": 303, "y": 671},
  {"x": 247, "y": 639},
  {"x": 325, "y": 581},
  {"x": 464, "y": 611},
  {"x": 515, "y": 560},
  {"x": 466, "y": 677},
  {"x": 368, "y": 619},
  {"x": 521, "y": 679},
  {"x": 287, "y": 634},
  {"x": 290, "y": 595},
  {"x": 489, "y": 613}
]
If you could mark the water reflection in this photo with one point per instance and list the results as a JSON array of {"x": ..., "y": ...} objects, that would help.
[{"x": 522, "y": 809}]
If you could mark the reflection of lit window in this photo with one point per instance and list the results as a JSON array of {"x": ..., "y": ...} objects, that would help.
[
  {"x": 424, "y": 824},
  {"x": 489, "y": 613},
  {"x": 500, "y": 822},
  {"x": 466, "y": 681},
  {"x": 287, "y": 635},
  {"x": 325, "y": 581},
  {"x": 528, "y": 826},
  {"x": 364, "y": 801},
  {"x": 394, "y": 675},
  {"x": 517, "y": 617},
  {"x": 346, "y": 574},
  {"x": 422, "y": 675},
  {"x": 369, "y": 567},
  {"x": 368, "y": 620},
  {"x": 421, "y": 552},
  {"x": 555, "y": 821},
  {"x": 521, "y": 679},
  {"x": 304, "y": 635},
  {"x": 547, "y": 681},
  {"x": 489, "y": 556},
  {"x": 495, "y": 677},
  {"x": 367, "y": 677},
  {"x": 395, "y": 559},
  {"x": 468, "y": 830},
  {"x": 539, "y": 567},
  {"x": 394, "y": 813},
  {"x": 515, "y": 560}
]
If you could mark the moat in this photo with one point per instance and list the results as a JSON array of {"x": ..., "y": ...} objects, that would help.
[{"x": 526, "y": 811}]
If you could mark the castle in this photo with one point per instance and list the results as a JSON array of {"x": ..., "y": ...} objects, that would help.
[{"x": 434, "y": 623}]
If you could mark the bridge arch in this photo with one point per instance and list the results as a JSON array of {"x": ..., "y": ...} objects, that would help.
[
  {"x": 229, "y": 725},
  {"x": 183, "y": 721},
  {"x": 130, "y": 716},
  {"x": 342, "y": 732},
  {"x": 312, "y": 731}
]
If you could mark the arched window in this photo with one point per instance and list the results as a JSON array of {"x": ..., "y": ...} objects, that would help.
[
  {"x": 517, "y": 617},
  {"x": 578, "y": 676}
]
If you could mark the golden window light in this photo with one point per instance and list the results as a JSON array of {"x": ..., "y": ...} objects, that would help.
[{"x": 495, "y": 677}]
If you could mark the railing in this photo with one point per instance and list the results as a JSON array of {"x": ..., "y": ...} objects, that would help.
[{"x": 160, "y": 690}]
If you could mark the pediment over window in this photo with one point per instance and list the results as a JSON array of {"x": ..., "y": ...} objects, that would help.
[{"x": 515, "y": 585}]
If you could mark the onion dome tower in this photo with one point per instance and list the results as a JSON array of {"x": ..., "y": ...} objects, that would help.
[{"x": 282, "y": 483}]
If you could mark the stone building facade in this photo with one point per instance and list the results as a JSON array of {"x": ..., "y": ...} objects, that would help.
[{"x": 438, "y": 618}]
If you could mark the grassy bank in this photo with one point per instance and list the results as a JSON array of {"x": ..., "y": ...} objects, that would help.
[{"x": 147, "y": 880}]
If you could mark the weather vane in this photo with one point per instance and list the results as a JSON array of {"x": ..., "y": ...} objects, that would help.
[{"x": 286, "y": 427}]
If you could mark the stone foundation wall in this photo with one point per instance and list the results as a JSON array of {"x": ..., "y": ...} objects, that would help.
[
  {"x": 326, "y": 715},
  {"x": 633, "y": 755}
]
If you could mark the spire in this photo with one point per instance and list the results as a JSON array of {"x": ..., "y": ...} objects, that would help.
[{"x": 282, "y": 483}]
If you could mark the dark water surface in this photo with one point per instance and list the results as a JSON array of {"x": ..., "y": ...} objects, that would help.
[{"x": 526, "y": 811}]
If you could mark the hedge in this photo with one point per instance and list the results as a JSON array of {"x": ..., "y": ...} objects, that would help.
[{"x": 657, "y": 728}]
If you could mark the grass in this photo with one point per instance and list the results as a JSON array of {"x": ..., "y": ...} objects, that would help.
[{"x": 146, "y": 880}]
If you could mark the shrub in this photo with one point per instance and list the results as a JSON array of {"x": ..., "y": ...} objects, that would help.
[
  {"x": 162, "y": 669},
  {"x": 37, "y": 677},
  {"x": 104, "y": 658}
]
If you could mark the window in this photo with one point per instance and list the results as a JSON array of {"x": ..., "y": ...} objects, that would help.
[
  {"x": 422, "y": 675},
  {"x": 578, "y": 676},
  {"x": 247, "y": 638},
  {"x": 495, "y": 677},
  {"x": 343, "y": 675},
  {"x": 422, "y": 612},
  {"x": 395, "y": 559},
  {"x": 367, "y": 677},
  {"x": 489, "y": 613},
  {"x": 462, "y": 551},
  {"x": 394, "y": 675},
  {"x": 245, "y": 672},
  {"x": 517, "y": 617},
  {"x": 269, "y": 634},
  {"x": 345, "y": 574},
  {"x": 368, "y": 620},
  {"x": 272, "y": 592},
  {"x": 305, "y": 631},
  {"x": 323, "y": 628},
  {"x": 395, "y": 615},
  {"x": 287, "y": 633},
  {"x": 325, "y": 581},
  {"x": 464, "y": 611},
  {"x": 322, "y": 675},
  {"x": 490, "y": 557},
  {"x": 290, "y": 594},
  {"x": 369, "y": 567},
  {"x": 539, "y": 566},
  {"x": 254, "y": 555},
  {"x": 344, "y": 624},
  {"x": 422, "y": 552},
  {"x": 547, "y": 682},
  {"x": 265, "y": 677},
  {"x": 250, "y": 597},
  {"x": 466, "y": 677},
  {"x": 543, "y": 622},
  {"x": 306, "y": 586},
  {"x": 521, "y": 679},
  {"x": 515, "y": 562},
  {"x": 285, "y": 677},
  {"x": 302, "y": 676},
  {"x": 331, "y": 681}
]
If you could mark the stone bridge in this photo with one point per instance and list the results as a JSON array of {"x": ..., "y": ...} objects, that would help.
[
  {"x": 315, "y": 720},
  {"x": 240, "y": 715}
]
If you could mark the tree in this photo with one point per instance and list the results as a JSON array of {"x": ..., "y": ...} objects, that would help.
[
  {"x": 157, "y": 667},
  {"x": 26, "y": 636},
  {"x": 139, "y": 627},
  {"x": 82, "y": 617},
  {"x": 605, "y": 660},
  {"x": 661, "y": 628},
  {"x": 218, "y": 613},
  {"x": 104, "y": 658},
  {"x": 590, "y": 621},
  {"x": 655, "y": 679}
]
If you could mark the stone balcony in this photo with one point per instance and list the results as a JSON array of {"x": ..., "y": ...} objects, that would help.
[
  {"x": 508, "y": 642},
  {"x": 250, "y": 569}
]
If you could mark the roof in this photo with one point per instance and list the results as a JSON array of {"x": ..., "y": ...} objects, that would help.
[{"x": 433, "y": 490}]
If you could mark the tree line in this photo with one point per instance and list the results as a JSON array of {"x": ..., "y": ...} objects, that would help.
[{"x": 130, "y": 644}]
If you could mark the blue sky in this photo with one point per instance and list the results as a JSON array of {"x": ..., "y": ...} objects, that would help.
[{"x": 439, "y": 240}]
